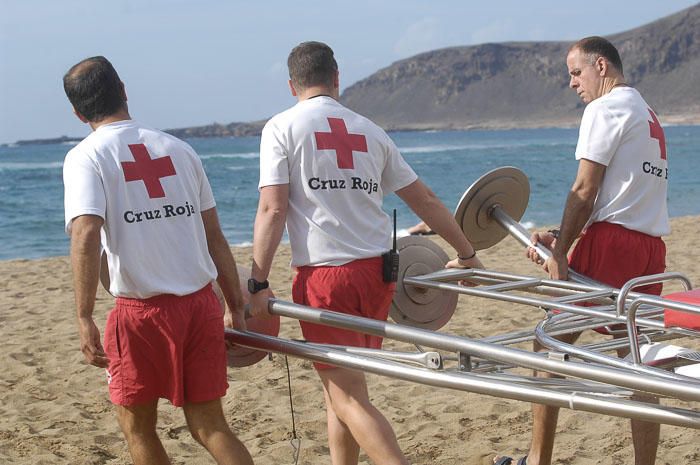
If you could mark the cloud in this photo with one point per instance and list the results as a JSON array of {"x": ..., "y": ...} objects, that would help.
[
  {"x": 421, "y": 36},
  {"x": 500, "y": 30},
  {"x": 277, "y": 68}
]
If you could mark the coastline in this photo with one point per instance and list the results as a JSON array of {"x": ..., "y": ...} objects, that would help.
[
  {"x": 55, "y": 409},
  {"x": 254, "y": 128}
]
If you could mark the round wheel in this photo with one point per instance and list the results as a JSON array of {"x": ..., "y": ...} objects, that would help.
[
  {"x": 415, "y": 306},
  {"x": 506, "y": 188}
]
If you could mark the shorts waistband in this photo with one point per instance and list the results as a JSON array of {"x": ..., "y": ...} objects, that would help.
[
  {"x": 161, "y": 299},
  {"x": 604, "y": 226},
  {"x": 358, "y": 263}
]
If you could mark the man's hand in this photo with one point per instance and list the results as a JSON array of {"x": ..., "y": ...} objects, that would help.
[
  {"x": 90, "y": 343},
  {"x": 545, "y": 239},
  {"x": 259, "y": 302},
  {"x": 235, "y": 320},
  {"x": 557, "y": 267},
  {"x": 473, "y": 262}
]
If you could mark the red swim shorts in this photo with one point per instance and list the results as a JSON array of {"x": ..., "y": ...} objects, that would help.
[
  {"x": 166, "y": 346},
  {"x": 613, "y": 254},
  {"x": 355, "y": 288}
]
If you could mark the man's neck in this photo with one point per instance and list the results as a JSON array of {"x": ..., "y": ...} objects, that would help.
[
  {"x": 317, "y": 91},
  {"x": 611, "y": 83},
  {"x": 118, "y": 116}
]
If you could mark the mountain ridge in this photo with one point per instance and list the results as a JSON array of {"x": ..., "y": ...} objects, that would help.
[
  {"x": 525, "y": 84},
  {"x": 515, "y": 84}
]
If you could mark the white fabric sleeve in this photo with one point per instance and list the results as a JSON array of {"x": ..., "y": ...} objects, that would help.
[
  {"x": 84, "y": 192},
  {"x": 599, "y": 135},
  {"x": 397, "y": 172},
  {"x": 206, "y": 196},
  {"x": 274, "y": 161}
]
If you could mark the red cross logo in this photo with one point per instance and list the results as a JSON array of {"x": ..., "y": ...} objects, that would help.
[
  {"x": 147, "y": 169},
  {"x": 342, "y": 142},
  {"x": 657, "y": 132}
]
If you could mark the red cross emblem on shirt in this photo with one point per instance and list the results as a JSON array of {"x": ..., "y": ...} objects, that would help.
[
  {"x": 147, "y": 169},
  {"x": 657, "y": 132},
  {"x": 342, "y": 142}
]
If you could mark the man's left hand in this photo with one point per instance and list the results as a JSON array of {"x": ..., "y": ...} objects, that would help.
[
  {"x": 557, "y": 267},
  {"x": 259, "y": 302}
]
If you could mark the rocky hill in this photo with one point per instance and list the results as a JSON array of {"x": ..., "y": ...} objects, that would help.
[
  {"x": 525, "y": 84},
  {"x": 220, "y": 130}
]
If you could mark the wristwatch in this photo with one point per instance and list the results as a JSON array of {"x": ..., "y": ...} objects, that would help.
[{"x": 255, "y": 286}]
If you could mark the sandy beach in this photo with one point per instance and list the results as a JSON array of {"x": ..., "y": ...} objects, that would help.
[{"x": 54, "y": 408}]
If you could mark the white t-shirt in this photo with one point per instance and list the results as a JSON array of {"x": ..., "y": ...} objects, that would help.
[
  {"x": 150, "y": 189},
  {"x": 619, "y": 130},
  {"x": 339, "y": 165}
]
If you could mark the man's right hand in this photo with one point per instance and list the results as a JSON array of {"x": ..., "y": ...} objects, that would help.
[
  {"x": 90, "y": 343},
  {"x": 259, "y": 302}
]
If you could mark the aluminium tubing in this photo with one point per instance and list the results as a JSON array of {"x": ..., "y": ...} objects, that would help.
[
  {"x": 471, "y": 382},
  {"x": 425, "y": 281},
  {"x": 522, "y": 235},
  {"x": 552, "y": 343},
  {"x": 665, "y": 387}
]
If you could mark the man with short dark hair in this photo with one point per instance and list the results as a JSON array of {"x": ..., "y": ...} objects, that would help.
[
  {"x": 618, "y": 200},
  {"x": 324, "y": 170},
  {"x": 143, "y": 196}
]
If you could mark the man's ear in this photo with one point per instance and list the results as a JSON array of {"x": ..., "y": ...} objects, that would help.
[
  {"x": 80, "y": 116},
  {"x": 126, "y": 99},
  {"x": 601, "y": 65},
  {"x": 336, "y": 80},
  {"x": 291, "y": 88}
]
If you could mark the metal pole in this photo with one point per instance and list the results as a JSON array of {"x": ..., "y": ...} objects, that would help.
[
  {"x": 472, "y": 382},
  {"x": 629, "y": 379},
  {"x": 520, "y": 233}
]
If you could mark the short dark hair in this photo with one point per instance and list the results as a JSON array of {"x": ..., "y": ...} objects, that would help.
[
  {"x": 94, "y": 88},
  {"x": 596, "y": 46},
  {"x": 312, "y": 64}
]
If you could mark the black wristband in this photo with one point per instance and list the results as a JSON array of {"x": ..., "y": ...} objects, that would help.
[
  {"x": 467, "y": 258},
  {"x": 554, "y": 232}
]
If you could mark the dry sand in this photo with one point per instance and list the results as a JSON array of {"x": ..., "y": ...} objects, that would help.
[{"x": 54, "y": 408}]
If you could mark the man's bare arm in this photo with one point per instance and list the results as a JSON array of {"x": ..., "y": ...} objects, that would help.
[
  {"x": 267, "y": 234},
  {"x": 433, "y": 212},
  {"x": 578, "y": 209},
  {"x": 85, "y": 261},
  {"x": 226, "y": 269}
]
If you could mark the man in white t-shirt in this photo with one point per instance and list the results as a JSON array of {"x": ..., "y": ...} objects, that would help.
[
  {"x": 618, "y": 200},
  {"x": 143, "y": 196},
  {"x": 324, "y": 170}
]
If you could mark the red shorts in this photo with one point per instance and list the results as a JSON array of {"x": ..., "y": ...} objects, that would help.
[
  {"x": 166, "y": 346},
  {"x": 355, "y": 288},
  {"x": 613, "y": 254}
]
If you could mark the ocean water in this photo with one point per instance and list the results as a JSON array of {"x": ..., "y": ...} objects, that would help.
[{"x": 31, "y": 189}]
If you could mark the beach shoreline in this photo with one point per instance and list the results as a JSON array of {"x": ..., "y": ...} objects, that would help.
[{"x": 55, "y": 409}]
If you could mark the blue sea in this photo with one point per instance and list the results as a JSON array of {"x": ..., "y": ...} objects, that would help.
[{"x": 31, "y": 189}]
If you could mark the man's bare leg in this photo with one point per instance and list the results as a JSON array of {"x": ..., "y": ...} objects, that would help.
[
  {"x": 138, "y": 423},
  {"x": 545, "y": 417},
  {"x": 344, "y": 449},
  {"x": 346, "y": 395},
  {"x": 208, "y": 426},
  {"x": 645, "y": 435}
]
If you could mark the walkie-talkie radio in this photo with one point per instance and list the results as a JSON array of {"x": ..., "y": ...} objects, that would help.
[{"x": 390, "y": 261}]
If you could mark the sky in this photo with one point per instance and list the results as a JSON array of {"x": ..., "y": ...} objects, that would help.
[{"x": 196, "y": 62}]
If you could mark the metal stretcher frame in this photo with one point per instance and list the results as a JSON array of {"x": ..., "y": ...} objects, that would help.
[
  {"x": 599, "y": 383},
  {"x": 523, "y": 390}
]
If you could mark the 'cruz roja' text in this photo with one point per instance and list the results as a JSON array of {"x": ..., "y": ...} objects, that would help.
[
  {"x": 356, "y": 183},
  {"x": 168, "y": 211}
]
